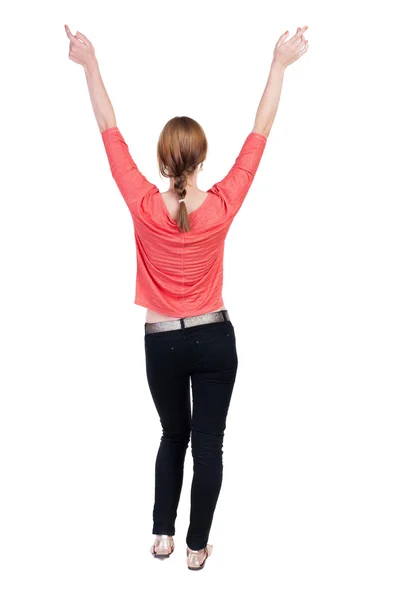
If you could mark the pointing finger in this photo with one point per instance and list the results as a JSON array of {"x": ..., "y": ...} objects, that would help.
[{"x": 69, "y": 34}]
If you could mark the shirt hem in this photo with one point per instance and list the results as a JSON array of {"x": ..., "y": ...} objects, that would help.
[{"x": 194, "y": 313}]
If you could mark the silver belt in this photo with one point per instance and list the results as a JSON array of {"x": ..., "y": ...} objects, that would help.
[{"x": 211, "y": 317}]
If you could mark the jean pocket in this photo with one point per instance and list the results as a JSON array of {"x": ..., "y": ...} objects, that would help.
[
  {"x": 160, "y": 339},
  {"x": 217, "y": 335},
  {"x": 217, "y": 348},
  {"x": 229, "y": 329}
]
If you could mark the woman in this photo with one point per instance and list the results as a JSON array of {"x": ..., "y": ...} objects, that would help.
[{"x": 188, "y": 336}]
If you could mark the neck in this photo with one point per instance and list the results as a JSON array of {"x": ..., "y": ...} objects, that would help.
[{"x": 191, "y": 185}]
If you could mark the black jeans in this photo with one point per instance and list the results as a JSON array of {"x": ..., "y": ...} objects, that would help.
[{"x": 205, "y": 355}]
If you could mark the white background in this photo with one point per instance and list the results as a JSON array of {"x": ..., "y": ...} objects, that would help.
[{"x": 309, "y": 506}]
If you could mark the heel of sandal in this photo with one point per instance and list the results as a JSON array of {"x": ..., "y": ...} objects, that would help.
[{"x": 193, "y": 557}]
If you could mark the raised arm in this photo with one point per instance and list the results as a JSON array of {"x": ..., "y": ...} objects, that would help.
[
  {"x": 132, "y": 184},
  {"x": 233, "y": 188},
  {"x": 82, "y": 52},
  {"x": 285, "y": 53}
]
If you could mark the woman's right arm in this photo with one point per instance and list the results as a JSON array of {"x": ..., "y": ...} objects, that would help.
[{"x": 285, "y": 53}]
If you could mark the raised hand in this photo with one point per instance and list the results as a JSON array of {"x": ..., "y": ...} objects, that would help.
[
  {"x": 81, "y": 49},
  {"x": 287, "y": 52}
]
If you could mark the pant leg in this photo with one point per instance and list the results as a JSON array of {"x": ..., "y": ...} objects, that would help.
[
  {"x": 212, "y": 385},
  {"x": 169, "y": 385}
]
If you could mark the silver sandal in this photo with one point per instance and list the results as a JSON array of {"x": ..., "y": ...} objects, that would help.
[
  {"x": 163, "y": 546},
  {"x": 192, "y": 558}
]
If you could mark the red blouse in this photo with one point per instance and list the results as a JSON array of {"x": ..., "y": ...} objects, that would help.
[{"x": 180, "y": 274}]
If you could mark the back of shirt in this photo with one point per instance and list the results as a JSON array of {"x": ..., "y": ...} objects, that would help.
[{"x": 181, "y": 273}]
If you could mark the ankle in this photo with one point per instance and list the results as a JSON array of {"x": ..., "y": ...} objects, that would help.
[{"x": 196, "y": 551}]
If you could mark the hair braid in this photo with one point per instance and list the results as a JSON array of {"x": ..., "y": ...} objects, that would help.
[
  {"x": 180, "y": 188},
  {"x": 180, "y": 185},
  {"x": 181, "y": 148}
]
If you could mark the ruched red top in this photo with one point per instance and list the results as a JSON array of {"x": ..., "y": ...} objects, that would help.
[{"x": 180, "y": 274}]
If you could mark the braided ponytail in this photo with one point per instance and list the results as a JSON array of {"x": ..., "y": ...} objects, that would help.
[
  {"x": 182, "y": 147},
  {"x": 180, "y": 188}
]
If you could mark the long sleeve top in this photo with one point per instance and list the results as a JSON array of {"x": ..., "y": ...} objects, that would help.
[{"x": 181, "y": 273}]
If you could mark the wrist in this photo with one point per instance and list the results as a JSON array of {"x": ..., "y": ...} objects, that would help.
[
  {"x": 277, "y": 66},
  {"x": 91, "y": 66}
]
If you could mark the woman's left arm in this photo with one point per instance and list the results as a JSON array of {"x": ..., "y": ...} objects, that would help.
[{"x": 82, "y": 52}]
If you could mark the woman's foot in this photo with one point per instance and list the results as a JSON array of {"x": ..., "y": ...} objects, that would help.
[
  {"x": 195, "y": 559},
  {"x": 163, "y": 546}
]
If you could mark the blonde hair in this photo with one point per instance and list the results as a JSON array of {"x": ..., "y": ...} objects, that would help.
[{"x": 182, "y": 146}]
